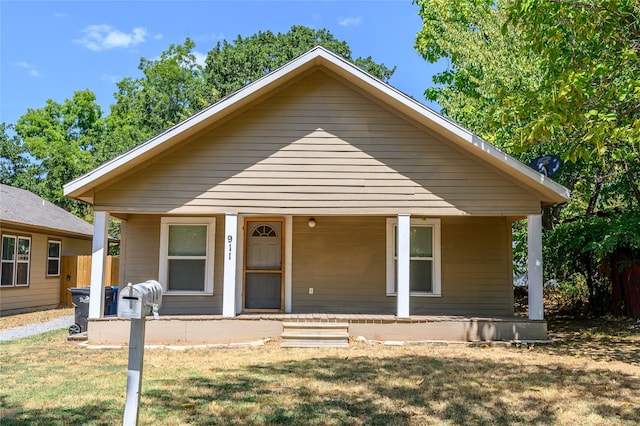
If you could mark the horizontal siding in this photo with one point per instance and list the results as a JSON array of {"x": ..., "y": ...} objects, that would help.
[
  {"x": 142, "y": 263},
  {"x": 75, "y": 247},
  {"x": 317, "y": 143},
  {"x": 343, "y": 260},
  {"x": 43, "y": 291},
  {"x": 477, "y": 258},
  {"x": 142, "y": 248}
]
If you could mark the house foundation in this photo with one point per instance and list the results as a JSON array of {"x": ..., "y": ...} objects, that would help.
[{"x": 192, "y": 330}]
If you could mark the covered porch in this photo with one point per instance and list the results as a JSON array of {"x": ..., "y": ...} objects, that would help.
[{"x": 336, "y": 282}]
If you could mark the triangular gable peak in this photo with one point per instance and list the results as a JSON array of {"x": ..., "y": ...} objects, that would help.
[{"x": 547, "y": 191}]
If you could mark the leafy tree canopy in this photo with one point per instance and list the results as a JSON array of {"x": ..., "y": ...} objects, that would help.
[
  {"x": 63, "y": 140},
  {"x": 230, "y": 66},
  {"x": 554, "y": 77},
  {"x": 172, "y": 89}
]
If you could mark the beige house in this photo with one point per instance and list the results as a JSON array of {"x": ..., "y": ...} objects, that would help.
[
  {"x": 320, "y": 192},
  {"x": 35, "y": 236}
]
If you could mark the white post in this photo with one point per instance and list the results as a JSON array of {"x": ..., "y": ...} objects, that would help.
[
  {"x": 403, "y": 238},
  {"x": 230, "y": 255},
  {"x": 288, "y": 247},
  {"x": 98, "y": 264},
  {"x": 134, "y": 373},
  {"x": 534, "y": 266}
]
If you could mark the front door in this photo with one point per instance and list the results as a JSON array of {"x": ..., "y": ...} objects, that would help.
[{"x": 263, "y": 266}]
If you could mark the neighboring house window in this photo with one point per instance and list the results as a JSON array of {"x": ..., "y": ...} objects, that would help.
[
  {"x": 16, "y": 252},
  {"x": 424, "y": 273},
  {"x": 187, "y": 255},
  {"x": 53, "y": 258}
]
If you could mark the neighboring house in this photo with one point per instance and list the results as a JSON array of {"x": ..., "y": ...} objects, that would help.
[
  {"x": 320, "y": 189},
  {"x": 35, "y": 236}
]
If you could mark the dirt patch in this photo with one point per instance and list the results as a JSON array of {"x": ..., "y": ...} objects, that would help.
[{"x": 19, "y": 320}]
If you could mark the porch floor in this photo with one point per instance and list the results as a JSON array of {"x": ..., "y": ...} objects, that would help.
[
  {"x": 197, "y": 329},
  {"x": 350, "y": 318}
]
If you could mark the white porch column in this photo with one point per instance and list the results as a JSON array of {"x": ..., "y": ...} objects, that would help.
[
  {"x": 229, "y": 290},
  {"x": 98, "y": 263},
  {"x": 403, "y": 238},
  {"x": 288, "y": 248},
  {"x": 534, "y": 266}
]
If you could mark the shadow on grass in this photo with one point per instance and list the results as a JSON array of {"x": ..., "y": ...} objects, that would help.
[
  {"x": 601, "y": 338},
  {"x": 92, "y": 414},
  {"x": 392, "y": 391}
]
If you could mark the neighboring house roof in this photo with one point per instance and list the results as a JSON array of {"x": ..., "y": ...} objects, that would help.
[
  {"x": 318, "y": 57},
  {"x": 26, "y": 209}
]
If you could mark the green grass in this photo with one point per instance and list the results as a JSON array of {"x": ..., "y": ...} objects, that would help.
[{"x": 47, "y": 381}]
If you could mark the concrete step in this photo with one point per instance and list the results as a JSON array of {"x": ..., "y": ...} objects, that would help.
[
  {"x": 315, "y": 335},
  {"x": 317, "y": 326},
  {"x": 311, "y": 335},
  {"x": 314, "y": 344}
]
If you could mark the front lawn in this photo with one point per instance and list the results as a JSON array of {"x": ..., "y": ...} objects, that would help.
[{"x": 589, "y": 377}]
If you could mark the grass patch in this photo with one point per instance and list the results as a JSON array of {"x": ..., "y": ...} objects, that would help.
[{"x": 46, "y": 380}]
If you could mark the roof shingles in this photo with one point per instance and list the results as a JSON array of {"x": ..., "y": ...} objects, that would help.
[{"x": 25, "y": 208}]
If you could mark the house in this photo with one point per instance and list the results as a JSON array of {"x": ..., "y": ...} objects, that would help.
[
  {"x": 320, "y": 192},
  {"x": 35, "y": 236}
]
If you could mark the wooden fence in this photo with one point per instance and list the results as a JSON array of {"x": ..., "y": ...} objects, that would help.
[{"x": 76, "y": 272}]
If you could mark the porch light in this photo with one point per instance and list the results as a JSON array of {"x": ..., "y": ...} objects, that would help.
[{"x": 312, "y": 223}]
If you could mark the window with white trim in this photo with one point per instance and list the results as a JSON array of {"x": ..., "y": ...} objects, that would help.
[
  {"x": 16, "y": 253},
  {"x": 187, "y": 255},
  {"x": 54, "y": 252},
  {"x": 424, "y": 263}
]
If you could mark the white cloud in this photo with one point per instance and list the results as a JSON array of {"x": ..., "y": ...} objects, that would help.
[
  {"x": 32, "y": 70},
  {"x": 60, "y": 15},
  {"x": 200, "y": 57},
  {"x": 158, "y": 36},
  {"x": 350, "y": 21},
  {"x": 104, "y": 37}
]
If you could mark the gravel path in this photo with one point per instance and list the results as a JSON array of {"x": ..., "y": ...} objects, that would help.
[{"x": 31, "y": 330}]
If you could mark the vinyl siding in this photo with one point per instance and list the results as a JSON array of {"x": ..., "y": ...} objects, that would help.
[
  {"x": 343, "y": 260},
  {"x": 317, "y": 147},
  {"x": 74, "y": 247},
  {"x": 142, "y": 263},
  {"x": 43, "y": 292}
]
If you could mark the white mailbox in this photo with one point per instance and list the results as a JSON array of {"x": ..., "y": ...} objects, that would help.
[{"x": 139, "y": 300}]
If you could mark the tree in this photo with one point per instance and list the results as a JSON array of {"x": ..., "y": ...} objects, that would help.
[
  {"x": 552, "y": 77},
  {"x": 230, "y": 66},
  {"x": 172, "y": 89},
  {"x": 15, "y": 167},
  {"x": 590, "y": 52},
  {"x": 62, "y": 139}
]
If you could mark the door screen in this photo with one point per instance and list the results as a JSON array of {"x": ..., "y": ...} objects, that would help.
[{"x": 263, "y": 270}]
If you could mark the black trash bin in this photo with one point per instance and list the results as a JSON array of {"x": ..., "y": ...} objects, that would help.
[
  {"x": 80, "y": 300},
  {"x": 109, "y": 297}
]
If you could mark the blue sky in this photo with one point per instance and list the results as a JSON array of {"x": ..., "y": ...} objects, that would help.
[{"x": 49, "y": 49}]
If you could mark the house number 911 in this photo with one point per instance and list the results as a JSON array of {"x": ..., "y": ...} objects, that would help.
[{"x": 229, "y": 239}]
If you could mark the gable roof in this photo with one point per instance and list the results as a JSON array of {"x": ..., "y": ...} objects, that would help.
[
  {"x": 319, "y": 57},
  {"x": 26, "y": 209}
]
